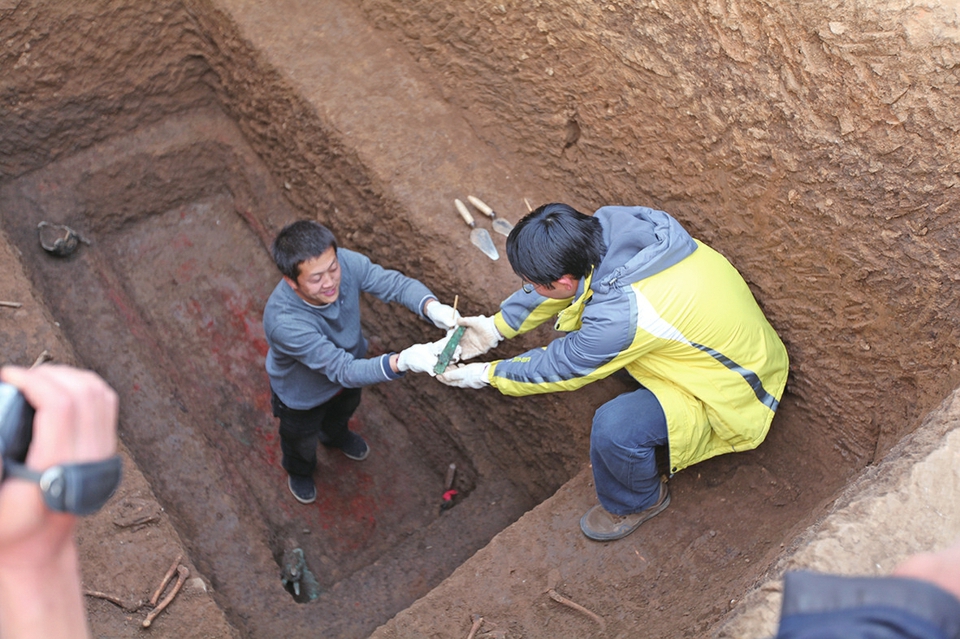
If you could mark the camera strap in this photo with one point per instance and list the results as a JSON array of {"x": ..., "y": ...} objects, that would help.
[{"x": 80, "y": 489}]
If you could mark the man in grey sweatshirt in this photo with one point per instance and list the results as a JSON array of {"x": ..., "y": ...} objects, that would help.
[{"x": 316, "y": 361}]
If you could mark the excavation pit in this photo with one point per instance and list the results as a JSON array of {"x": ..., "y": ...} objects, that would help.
[
  {"x": 813, "y": 146},
  {"x": 165, "y": 300}
]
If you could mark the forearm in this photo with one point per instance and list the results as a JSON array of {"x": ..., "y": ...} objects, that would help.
[
  {"x": 43, "y": 599},
  {"x": 346, "y": 372}
]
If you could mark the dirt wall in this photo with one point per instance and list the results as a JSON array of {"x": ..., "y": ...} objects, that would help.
[
  {"x": 66, "y": 79},
  {"x": 813, "y": 143}
]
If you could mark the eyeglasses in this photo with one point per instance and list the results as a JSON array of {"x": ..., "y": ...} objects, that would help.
[{"x": 530, "y": 287}]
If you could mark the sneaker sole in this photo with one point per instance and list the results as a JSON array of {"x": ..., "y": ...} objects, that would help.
[
  {"x": 653, "y": 512},
  {"x": 366, "y": 454},
  {"x": 297, "y": 497}
]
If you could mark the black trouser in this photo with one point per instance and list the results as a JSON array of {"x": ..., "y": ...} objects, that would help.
[{"x": 301, "y": 430}]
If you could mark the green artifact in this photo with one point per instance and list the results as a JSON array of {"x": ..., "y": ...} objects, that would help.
[{"x": 444, "y": 359}]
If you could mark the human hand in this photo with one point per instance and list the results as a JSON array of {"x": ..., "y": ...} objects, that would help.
[
  {"x": 940, "y": 568},
  {"x": 441, "y": 315},
  {"x": 467, "y": 375},
  {"x": 419, "y": 358},
  {"x": 481, "y": 335},
  {"x": 75, "y": 421},
  {"x": 423, "y": 358}
]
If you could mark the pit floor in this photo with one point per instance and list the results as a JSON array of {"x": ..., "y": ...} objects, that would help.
[{"x": 167, "y": 306}]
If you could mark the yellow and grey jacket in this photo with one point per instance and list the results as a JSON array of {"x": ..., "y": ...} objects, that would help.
[{"x": 678, "y": 317}]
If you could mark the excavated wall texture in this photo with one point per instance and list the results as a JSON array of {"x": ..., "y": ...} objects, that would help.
[{"x": 823, "y": 136}]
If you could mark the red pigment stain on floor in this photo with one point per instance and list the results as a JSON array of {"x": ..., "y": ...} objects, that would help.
[
  {"x": 185, "y": 270},
  {"x": 267, "y": 446},
  {"x": 344, "y": 503}
]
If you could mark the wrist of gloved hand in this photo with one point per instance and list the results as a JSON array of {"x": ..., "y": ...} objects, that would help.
[
  {"x": 441, "y": 315},
  {"x": 419, "y": 358}
]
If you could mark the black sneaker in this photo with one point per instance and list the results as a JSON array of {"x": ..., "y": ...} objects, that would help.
[
  {"x": 354, "y": 447},
  {"x": 302, "y": 488}
]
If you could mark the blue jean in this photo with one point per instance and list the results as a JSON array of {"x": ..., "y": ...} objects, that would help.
[{"x": 626, "y": 432}]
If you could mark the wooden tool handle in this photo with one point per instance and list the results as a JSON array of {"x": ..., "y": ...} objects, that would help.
[
  {"x": 464, "y": 213},
  {"x": 477, "y": 202}
]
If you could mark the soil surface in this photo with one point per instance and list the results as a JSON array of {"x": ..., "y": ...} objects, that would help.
[
  {"x": 178, "y": 136},
  {"x": 177, "y": 332}
]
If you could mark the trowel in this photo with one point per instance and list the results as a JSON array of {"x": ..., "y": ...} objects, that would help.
[
  {"x": 478, "y": 236},
  {"x": 500, "y": 225}
]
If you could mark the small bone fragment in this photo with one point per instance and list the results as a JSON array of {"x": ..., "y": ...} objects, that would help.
[
  {"x": 166, "y": 579},
  {"x": 11, "y": 304},
  {"x": 477, "y": 622},
  {"x": 45, "y": 356},
  {"x": 553, "y": 580},
  {"x": 129, "y": 607},
  {"x": 182, "y": 573}
]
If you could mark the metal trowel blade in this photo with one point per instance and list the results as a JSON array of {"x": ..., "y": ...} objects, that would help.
[
  {"x": 482, "y": 240},
  {"x": 501, "y": 226}
]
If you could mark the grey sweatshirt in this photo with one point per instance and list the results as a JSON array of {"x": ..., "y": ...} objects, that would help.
[{"x": 317, "y": 350}]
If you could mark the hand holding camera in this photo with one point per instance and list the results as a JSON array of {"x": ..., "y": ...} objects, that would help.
[
  {"x": 68, "y": 459},
  {"x": 79, "y": 486},
  {"x": 16, "y": 425}
]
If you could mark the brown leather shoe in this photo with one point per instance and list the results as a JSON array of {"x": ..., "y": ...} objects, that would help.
[{"x": 601, "y": 525}]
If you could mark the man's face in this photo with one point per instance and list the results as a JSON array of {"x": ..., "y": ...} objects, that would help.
[{"x": 319, "y": 279}]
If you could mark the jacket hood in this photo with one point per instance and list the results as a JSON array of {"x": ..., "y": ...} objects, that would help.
[{"x": 640, "y": 242}]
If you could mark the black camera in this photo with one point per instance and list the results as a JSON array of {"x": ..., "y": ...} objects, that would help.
[
  {"x": 79, "y": 488},
  {"x": 16, "y": 424}
]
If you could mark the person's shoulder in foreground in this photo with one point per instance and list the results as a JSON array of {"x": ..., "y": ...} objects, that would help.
[{"x": 918, "y": 601}]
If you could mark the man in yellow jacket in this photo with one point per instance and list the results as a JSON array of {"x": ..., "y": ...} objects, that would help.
[{"x": 633, "y": 290}]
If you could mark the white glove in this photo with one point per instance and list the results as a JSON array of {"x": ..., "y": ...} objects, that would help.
[
  {"x": 481, "y": 335},
  {"x": 422, "y": 358},
  {"x": 441, "y": 315},
  {"x": 467, "y": 375},
  {"x": 419, "y": 358}
]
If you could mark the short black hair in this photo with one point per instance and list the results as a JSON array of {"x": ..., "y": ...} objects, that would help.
[
  {"x": 298, "y": 242},
  {"x": 555, "y": 240}
]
